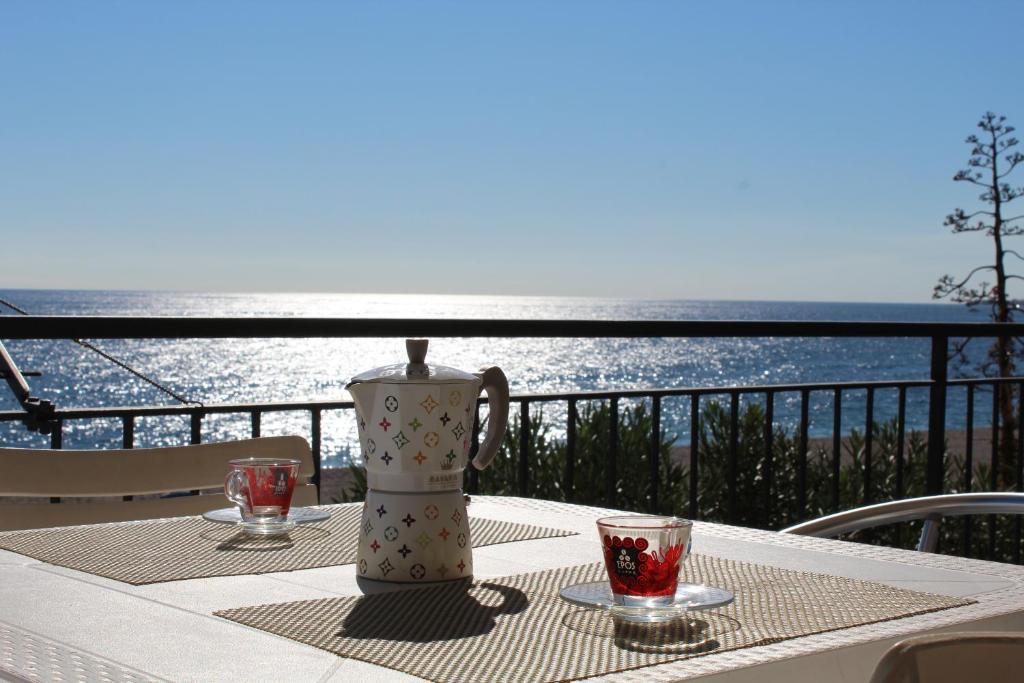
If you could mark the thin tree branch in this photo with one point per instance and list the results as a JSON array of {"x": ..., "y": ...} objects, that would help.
[
  {"x": 1013, "y": 165},
  {"x": 967, "y": 217},
  {"x": 1014, "y": 253},
  {"x": 971, "y": 179}
]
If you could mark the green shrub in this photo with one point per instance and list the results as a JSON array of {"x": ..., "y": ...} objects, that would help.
[
  {"x": 755, "y": 504},
  {"x": 548, "y": 462}
]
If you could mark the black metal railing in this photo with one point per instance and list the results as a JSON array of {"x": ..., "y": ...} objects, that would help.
[{"x": 937, "y": 385}]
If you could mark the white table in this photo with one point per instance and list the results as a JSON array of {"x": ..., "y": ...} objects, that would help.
[{"x": 57, "y": 622}]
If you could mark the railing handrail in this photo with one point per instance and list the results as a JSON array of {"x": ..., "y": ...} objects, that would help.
[
  {"x": 546, "y": 397},
  {"x": 179, "y": 327},
  {"x": 589, "y": 395}
]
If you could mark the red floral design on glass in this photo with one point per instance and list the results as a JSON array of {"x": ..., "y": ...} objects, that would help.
[{"x": 634, "y": 571}]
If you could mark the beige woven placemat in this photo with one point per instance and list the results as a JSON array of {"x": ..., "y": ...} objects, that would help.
[
  {"x": 517, "y": 628},
  {"x": 190, "y": 547}
]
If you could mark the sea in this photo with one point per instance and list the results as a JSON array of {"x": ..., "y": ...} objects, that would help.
[{"x": 264, "y": 370}]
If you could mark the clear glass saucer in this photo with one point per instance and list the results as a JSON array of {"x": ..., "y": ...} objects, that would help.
[
  {"x": 296, "y": 515},
  {"x": 690, "y": 597}
]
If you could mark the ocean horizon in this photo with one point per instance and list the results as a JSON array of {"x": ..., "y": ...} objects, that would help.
[{"x": 264, "y": 370}]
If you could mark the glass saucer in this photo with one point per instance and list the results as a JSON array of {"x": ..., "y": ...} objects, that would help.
[
  {"x": 296, "y": 515},
  {"x": 690, "y": 597}
]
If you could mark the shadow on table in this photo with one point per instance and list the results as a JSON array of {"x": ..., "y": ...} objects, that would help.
[
  {"x": 232, "y": 539},
  {"x": 681, "y": 636},
  {"x": 429, "y": 614}
]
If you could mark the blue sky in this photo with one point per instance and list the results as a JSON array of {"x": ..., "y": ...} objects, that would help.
[{"x": 754, "y": 150}]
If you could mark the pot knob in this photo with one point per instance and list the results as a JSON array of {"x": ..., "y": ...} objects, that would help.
[{"x": 417, "y": 352}]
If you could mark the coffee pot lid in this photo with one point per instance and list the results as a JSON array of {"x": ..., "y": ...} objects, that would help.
[{"x": 416, "y": 371}]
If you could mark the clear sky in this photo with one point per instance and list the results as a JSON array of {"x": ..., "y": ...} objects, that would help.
[{"x": 754, "y": 150}]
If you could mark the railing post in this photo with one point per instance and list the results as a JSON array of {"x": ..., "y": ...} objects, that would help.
[
  {"x": 801, "y": 471},
  {"x": 969, "y": 469},
  {"x": 655, "y": 451},
  {"x": 837, "y": 444},
  {"x": 901, "y": 432},
  {"x": 769, "y": 455},
  {"x": 315, "y": 416},
  {"x": 694, "y": 454},
  {"x": 733, "y": 459},
  {"x": 869, "y": 440},
  {"x": 937, "y": 417},
  {"x": 57, "y": 435},
  {"x": 611, "y": 473},
  {"x": 569, "y": 486},
  {"x": 993, "y": 470},
  {"x": 524, "y": 448},
  {"x": 196, "y": 436},
  {"x": 128, "y": 431},
  {"x": 196, "y": 421},
  {"x": 128, "y": 438},
  {"x": 255, "y": 419},
  {"x": 1019, "y": 483},
  {"x": 57, "y": 441}
]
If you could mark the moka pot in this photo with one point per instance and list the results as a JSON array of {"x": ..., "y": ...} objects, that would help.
[{"x": 415, "y": 429}]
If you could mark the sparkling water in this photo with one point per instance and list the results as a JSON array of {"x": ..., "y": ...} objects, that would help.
[{"x": 262, "y": 370}]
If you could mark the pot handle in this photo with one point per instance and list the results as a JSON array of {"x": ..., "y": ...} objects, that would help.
[{"x": 495, "y": 384}]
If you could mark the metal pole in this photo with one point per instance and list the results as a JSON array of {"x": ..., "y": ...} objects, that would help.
[
  {"x": 524, "y": 448},
  {"x": 937, "y": 417},
  {"x": 315, "y": 417},
  {"x": 13, "y": 376},
  {"x": 655, "y": 452},
  {"x": 39, "y": 413}
]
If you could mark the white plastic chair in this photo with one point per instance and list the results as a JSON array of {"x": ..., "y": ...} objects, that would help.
[
  {"x": 101, "y": 479},
  {"x": 978, "y": 657},
  {"x": 929, "y": 508}
]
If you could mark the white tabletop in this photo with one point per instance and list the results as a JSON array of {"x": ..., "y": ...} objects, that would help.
[{"x": 58, "y": 623}]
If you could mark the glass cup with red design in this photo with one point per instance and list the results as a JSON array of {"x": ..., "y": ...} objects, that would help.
[
  {"x": 643, "y": 555},
  {"x": 262, "y": 488}
]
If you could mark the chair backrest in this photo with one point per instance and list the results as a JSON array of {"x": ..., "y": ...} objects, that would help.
[
  {"x": 100, "y": 480},
  {"x": 977, "y": 657},
  {"x": 931, "y": 509}
]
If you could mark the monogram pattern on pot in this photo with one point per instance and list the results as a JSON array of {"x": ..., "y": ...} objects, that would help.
[
  {"x": 414, "y": 537},
  {"x": 424, "y": 428}
]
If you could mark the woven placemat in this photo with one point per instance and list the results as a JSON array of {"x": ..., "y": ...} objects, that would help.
[
  {"x": 191, "y": 548},
  {"x": 517, "y": 628}
]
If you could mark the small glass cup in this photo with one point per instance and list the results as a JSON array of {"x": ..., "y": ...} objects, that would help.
[
  {"x": 262, "y": 488},
  {"x": 643, "y": 555}
]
